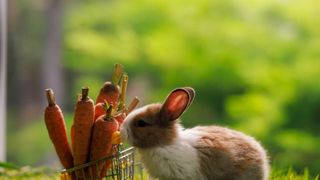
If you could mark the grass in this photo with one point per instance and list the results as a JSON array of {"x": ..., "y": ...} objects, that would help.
[
  {"x": 10, "y": 171},
  {"x": 292, "y": 175}
]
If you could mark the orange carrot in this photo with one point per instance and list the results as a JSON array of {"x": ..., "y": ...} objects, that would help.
[
  {"x": 115, "y": 140},
  {"x": 83, "y": 123},
  {"x": 101, "y": 144},
  {"x": 55, "y": 124},
  {"x": 120, "y": 118},
  {"x": 110, "y": 93},
  {"x": 72, "y": 137},
  {"x": 99, "y": 110}
]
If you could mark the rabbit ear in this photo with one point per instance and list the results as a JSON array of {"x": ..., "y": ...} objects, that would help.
[
  {"x": 176, "y": 103},
  {"x": 191, "y": 93}
]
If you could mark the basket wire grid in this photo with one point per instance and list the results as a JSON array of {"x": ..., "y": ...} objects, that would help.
[{"x": 122, "y": 167}]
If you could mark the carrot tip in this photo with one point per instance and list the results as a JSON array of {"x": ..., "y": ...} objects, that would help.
[{"x": 50, "y": 97}]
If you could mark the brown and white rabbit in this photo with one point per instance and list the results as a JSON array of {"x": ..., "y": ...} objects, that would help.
[{"x": 170, "y": 152}]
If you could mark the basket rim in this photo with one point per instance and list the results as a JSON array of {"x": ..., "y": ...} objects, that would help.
[{"x": 118, "y": 155}]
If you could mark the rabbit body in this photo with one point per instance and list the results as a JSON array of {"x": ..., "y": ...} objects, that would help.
[
  {"x": 170, "y": 152},
  {"x": 178, "y": 160}
]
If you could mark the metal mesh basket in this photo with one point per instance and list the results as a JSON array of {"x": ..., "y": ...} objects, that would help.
[{"x": 121, "y": 166}]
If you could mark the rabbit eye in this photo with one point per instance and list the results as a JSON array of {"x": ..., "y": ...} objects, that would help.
[{"x": 141, "y": 123}]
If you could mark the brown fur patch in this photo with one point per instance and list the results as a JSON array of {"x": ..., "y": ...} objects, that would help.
[{"x": 227, "y": 154}]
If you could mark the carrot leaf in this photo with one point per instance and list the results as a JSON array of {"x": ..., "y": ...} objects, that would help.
[{"x": 117, "y": 74}]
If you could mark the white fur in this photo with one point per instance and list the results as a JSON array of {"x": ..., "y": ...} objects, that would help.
[{"x": 176, "y": 161}]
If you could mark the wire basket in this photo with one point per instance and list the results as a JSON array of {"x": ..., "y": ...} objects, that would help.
[{"x": 121, "y": 166}]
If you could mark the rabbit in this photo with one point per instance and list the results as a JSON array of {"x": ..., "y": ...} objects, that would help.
[{"x": 170, "y": 152}]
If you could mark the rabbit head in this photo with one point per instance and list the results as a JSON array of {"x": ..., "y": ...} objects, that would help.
[{"x": 156, "y": 124}]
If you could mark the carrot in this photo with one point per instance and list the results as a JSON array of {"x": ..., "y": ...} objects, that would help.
[
  {"x": 99, "y": 110},
  {"x": 72, "y": 137},
  {"x": 101, "y": 144},
  {"x": 56, "y": 127},
  {"x": 120, "y": 118},
  {"x": 83, "y": 123},
  {"x": 115, "y": 140},
  {"x": 110, "y": 91}
]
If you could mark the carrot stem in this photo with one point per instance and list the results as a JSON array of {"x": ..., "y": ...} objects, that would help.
[
  {"x": 124, "y": 85},
  {"x": 84, "y": 93},
  {"x": 133, "y": 104},
  {"x": 117, "y": 74},
  {"x": 50, "y": 97},
  {"x": 109, "y": 112}
]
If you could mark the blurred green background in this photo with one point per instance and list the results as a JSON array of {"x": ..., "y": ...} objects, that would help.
[{"x": 255, "y": 66}]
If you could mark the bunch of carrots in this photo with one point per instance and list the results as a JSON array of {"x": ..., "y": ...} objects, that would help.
[{"x": 95, "y": 127}]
